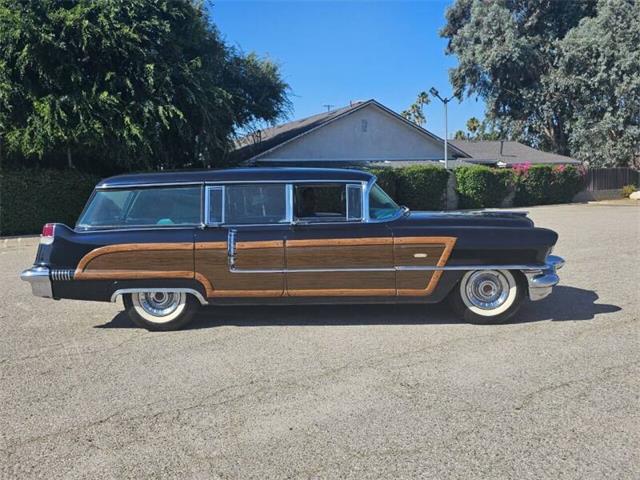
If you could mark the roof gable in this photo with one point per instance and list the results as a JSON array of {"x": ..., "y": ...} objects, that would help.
[{"x": 364, "y": 131}]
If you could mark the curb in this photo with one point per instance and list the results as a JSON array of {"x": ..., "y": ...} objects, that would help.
[{"x": 19, "y": 242}]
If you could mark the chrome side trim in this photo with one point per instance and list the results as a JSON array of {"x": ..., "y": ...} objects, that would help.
[
  {"x": 149, "y": 185},
  {"x": 231, "y": 249},
  {"x": 193, "y": 292},
  {"x": 39, "y": 279},
  {"x": 395, "y": 269}
]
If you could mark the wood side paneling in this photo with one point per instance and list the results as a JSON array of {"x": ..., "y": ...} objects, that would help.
[
  {"x": 153, "y": 260},
  {"x": 213, "y": 265},
  {"x": 351, "y": 256},
  {"x": 412, "y": 283},
  {"x": 176, "y": 260},
  {"x": 351, "y": 283},
  {"x": 414, "y": 255},
  {"x": 340, "y": 253}
]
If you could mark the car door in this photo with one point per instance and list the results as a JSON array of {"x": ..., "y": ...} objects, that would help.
[
  {"x": 240, "y": 252},
  {"x": 330, "y": 251}
]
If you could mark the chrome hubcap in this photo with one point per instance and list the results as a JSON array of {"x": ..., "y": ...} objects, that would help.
[
  {"x": 160, "y": 304},
  {"x": 487, "y": 289}
]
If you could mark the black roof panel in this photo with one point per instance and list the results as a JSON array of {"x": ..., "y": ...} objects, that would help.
[{"x": 236, "y": 175}]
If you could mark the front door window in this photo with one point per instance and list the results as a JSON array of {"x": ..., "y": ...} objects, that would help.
[{"x": 327, "y": 203}]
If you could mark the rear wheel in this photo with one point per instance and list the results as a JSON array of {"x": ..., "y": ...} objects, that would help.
[
  {"x": 488, "y": 296},
  {"x": 160, "y": 310}
]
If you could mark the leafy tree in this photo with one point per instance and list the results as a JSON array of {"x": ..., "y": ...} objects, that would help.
[
  {"x": 415, "y": 112},
  {"x": 115, "y": 84},
  {"x": 473, "y": 125},
  {"x": 460, "y": 135},
  {"x": 598, "y": 74},
  {"x": 507, "y": 51}
]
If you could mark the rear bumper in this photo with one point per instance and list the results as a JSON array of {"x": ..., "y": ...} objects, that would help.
[
  {"x": 40, "y": 280},
  {"x": 542, "y": 281}
]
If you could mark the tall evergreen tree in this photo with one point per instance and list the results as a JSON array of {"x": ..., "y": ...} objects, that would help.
[{"x": 125, "y": 84}]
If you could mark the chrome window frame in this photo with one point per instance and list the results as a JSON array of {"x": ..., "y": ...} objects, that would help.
[
  {"x": 222, "y": 186},
  {"x": 289, "y": 192},
  {"x": 366, "y": 190}
]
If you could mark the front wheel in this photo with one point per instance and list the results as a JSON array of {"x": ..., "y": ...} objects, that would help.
[
  {"x": 160, "y": 310},
  {"x": 488, "y": 296}
]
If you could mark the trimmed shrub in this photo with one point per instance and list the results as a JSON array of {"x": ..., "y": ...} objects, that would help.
[
  {"x": 482, "y": 187},
  {"x": 547, "y": 184},
  {"x": 422, "y": 187},
  {"x": 627, "y": 190},
  {"x": 29, "y": 198}
]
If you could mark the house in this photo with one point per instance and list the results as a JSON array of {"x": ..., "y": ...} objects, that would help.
[{"x": 368, "y": 133}]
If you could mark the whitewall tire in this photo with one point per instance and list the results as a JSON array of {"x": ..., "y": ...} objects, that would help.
[
  {"x": 160, "y": 310},
  {"x": 488, "y": 296}
]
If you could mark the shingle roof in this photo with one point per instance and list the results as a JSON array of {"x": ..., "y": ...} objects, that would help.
[
  {"x": 508, "y": 152},
  {"x": 263, "y": 140}
]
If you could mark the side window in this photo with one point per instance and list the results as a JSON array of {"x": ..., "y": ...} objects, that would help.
[
  {"x": 142, "y": 207},
  {"x": 165, "y": 206},
  {"x": 214, "y": 200},
  {"x": 327, "y": 203},
  {"x": 255, "y": 204},
  {"x": 354, "y": 202}
]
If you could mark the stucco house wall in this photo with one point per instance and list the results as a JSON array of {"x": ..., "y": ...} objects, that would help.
[{"x": 367, "y": 134}]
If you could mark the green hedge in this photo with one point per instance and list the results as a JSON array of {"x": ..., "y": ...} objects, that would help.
[
  {"x": 482, "y": 187},
  {"x": 417, "y": 187},
  {"x": 547, "y": 184},
  {"x": 29, "y": 198}
]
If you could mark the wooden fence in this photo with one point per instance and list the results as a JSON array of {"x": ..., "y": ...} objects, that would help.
[{"x": 611, "y": 178}]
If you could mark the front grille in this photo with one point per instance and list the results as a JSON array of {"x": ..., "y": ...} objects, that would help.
[{"x": 62, "y": 275}]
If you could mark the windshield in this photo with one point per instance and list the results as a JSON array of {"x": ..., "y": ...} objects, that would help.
[
  {"x": 143, "y": 207},
  {"x": 381, "y": 205}
]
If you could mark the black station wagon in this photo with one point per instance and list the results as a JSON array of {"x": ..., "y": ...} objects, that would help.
[{"x": 170, "y": 242}]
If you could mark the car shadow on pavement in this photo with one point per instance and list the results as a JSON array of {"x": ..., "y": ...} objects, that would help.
[{"x": 565, "y": 304}]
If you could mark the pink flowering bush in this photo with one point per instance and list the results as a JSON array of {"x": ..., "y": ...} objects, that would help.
[{"x": 546, "y": 184}]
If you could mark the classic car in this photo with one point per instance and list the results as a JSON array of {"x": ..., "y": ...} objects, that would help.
[{"x": 168, "y": 243}]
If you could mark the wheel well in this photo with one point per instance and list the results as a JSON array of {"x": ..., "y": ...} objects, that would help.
[{"x": 124, "y": 291}]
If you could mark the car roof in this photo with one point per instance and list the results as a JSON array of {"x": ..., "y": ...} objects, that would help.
[{"x": 272, "y": 174}]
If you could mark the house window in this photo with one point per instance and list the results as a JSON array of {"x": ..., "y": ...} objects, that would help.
[{"x": 364, "y": 125}]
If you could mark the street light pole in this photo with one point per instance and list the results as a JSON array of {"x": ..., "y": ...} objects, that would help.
[{"x": 445, "y": 101}]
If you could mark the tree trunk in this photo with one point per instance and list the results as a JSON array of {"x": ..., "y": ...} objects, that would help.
[{"x": 69, "y": 160}]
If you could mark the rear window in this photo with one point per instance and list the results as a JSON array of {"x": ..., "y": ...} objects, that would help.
[{"x": 143, "y": 207}]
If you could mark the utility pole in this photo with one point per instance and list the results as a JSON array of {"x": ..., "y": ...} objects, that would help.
[
  {"x": 328, "y": 106},
  {"x": 445, "y": 101}
]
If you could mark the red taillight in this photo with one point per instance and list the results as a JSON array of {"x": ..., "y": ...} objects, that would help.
[{"x": 48, "y": 232}]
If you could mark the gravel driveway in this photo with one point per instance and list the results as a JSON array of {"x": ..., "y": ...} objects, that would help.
[{"x": 335, "y": 392}]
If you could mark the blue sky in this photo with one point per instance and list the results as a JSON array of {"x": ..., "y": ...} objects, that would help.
[{"x": 331, "y": 52}]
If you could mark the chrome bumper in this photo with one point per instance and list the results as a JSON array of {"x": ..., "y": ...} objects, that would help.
[
  {"x": 542, "y": 281},
  {"x": 40, "y": 281}
]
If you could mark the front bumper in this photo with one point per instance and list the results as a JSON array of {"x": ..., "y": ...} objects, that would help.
[
  {"x": 40, "y": 281},
  {"x": 542, "y": 281}
]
